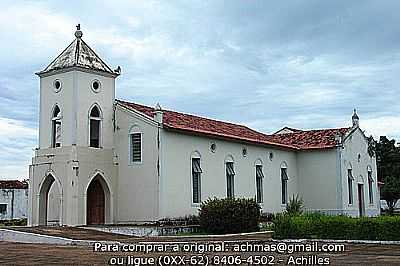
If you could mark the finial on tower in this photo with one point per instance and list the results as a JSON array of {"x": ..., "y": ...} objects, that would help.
[
  {"x": 355, "y": 119},
  {"x": 78, "y": 32}
]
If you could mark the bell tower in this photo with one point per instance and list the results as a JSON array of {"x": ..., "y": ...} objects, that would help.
[
  {"x": 76, "y": 140},
  {"x": 77, "y": 92}
]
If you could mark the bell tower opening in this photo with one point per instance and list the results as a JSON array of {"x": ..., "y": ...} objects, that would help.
[
  {"x": 56, "y": 128},
  {"x": 94, "y": 127}
]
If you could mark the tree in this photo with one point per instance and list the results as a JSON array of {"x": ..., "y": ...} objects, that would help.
[
  {"x": 388, "y": 162},
  {"x": 391, "y": 191}
]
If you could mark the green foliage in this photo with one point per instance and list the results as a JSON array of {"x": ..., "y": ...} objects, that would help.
[
  {"x": 322, "y": 226},
  {"x": 371, "y": 146},
  {"x": 266, "y": 217},
  {"x": 388, "y": 161},
  {"x": 15, "y": 222},
  {"x": 229, "y": 215},
  {"x": 295, "y": 206}
]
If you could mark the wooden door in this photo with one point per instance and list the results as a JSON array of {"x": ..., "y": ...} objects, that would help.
[{"x": 95, "y": 203}]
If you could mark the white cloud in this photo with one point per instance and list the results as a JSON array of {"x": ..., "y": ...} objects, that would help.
[
  {"x": 382, "y": 126},
  {"x": 15, "y": 129},
  {"x": 32, "y": 30}
]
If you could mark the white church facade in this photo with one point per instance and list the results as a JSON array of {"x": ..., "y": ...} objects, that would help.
[{"x": 102, "y": 160}]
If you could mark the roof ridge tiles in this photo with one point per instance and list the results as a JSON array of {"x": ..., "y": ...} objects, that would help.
[{"x": 300, "y": 140}]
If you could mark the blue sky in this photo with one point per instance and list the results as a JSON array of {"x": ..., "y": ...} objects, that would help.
[{"x": 304, "y": 64}]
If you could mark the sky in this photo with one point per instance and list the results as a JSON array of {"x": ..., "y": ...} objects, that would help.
[{"x": 266, "y": 64}]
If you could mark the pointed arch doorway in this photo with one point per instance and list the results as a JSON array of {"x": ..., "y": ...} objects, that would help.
[
  {"x": 97, "y": 203},
  {"x": 50, "y": 201}
]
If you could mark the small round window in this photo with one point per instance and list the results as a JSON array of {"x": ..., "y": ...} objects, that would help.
[
  {"x": 57, "y": 85},
  {"x": 244, "y": 152},
  {"x": 271, "y": 156},
  {"x": 96, "y": 85},
  {"x": 213, "y": 147}
]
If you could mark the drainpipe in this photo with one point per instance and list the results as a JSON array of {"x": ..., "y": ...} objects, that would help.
[
  {"x": 12, "y": 204},
  {"x": 339, "y": 179}
]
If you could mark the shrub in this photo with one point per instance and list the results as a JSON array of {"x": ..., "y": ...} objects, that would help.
[
  {"x": 229, "y": 215},
  {"x": 295, "y": 206},
  {"x": 15, "y": 222},
  {"x": 322, "y": 226},
  {"x": 267, "y": 217}
]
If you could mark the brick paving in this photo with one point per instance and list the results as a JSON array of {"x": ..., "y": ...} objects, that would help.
[
  {"x": 41, "y": 254},
  {"x": 44, "y": 254}
]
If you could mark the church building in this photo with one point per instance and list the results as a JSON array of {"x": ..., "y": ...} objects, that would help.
[{"x": 106, "y": 161}]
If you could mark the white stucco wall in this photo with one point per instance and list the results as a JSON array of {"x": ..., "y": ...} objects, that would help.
[
  {"x": 353, "y": 145},
  {"x": 17, "y": 203},
  {"x": 137, "y": 182},
  {"x": 48, "y": 100},
  {"x": 318, "y": 179},
  {"x": 75, "y": 99},
  {"x": 74, "y": 164},
  {"x": 176, "y": 188},
  {"x": 73, "y": 168}
]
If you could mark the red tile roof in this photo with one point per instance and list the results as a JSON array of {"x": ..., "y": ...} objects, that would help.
[
  {"x": 13, "y": 184},
  {"x": 313, "y": 139}
]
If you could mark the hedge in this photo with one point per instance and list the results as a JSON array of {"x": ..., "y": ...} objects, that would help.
[
  {"x": 229, "y": 215},
  {"x": 336, "y": 227}
]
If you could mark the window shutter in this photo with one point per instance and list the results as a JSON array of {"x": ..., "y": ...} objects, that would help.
[
  {"x": 350, "y": 174},
  {"x": 259, "y": 177},
  {"x": 284, "y": 174},
  {"x": 196, "y": 166},
  {"x": 259, "y": 172},
  {"x": 136, "y": 146},
  {"x": 370, "y": 176},
  {"x": 229, "y": 169},
  {"x": 196, "y": 171}
]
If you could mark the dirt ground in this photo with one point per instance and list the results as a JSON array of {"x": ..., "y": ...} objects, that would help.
[
  {"x": 44, "y": 254},
  {"x": 40, "y": 254}
]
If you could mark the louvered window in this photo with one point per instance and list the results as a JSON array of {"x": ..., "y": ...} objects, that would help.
[
  {"x": 196, "y": 180},
  {"x": 230, "y": 180},
  {"x": 136, "y": 147},
  {"x": 259, "y": 183},
  {"x": 284, "y": 179}
]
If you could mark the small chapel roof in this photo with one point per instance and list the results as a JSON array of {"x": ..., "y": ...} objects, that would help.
[
  {"x": 13, "y": 184},
  {"x": 298, "y": 140},
  {"x": 78, "y": 54}
]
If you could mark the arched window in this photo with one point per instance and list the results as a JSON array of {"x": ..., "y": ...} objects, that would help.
[
  {"x": 284, "y": 179},
  {"x": 370, "y": 189},
  {"x": 230, "y": 177},
  {"x": 259, "y": 181},
  {"x": 196, "y": 177},
  {"x": 94, "y": 127},
  {"x": 350, "y": 180},
  {"x": 56, "y": 127}
]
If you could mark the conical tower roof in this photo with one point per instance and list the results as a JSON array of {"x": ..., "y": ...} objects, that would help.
[{"x": 78, "y": 54}]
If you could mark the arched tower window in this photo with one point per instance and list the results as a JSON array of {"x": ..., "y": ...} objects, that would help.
[
  {"x": 94, "y": 127},
  {"x": 56, "y": 128}
]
